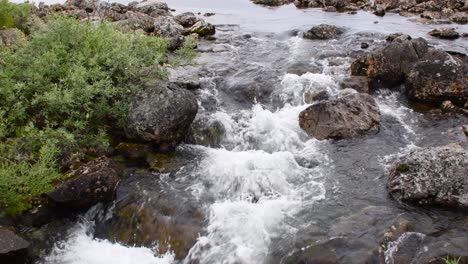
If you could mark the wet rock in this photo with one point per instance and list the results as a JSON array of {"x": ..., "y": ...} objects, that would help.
[
  {"x": 90, "y": 184},
  {"x": 165, "y": 162},
  {"x": 387, "y": 66},
  {"x": 379, "y": 11},
  {"x": 432, "y": 176},
  {"x": 271, "y": 2},
  {"x": 145, "y": 215},
  {"x": 399, "y": 37},
  {"x": 311, "y": 96},
  {"x": 431, "y": 15},
  {"x": 347, "y": 117},
  {"x": 358, "y": 83},
  {"x": 323, "y": 32},
  {"x": 166, "y": 26},
  {"x": 354, "y": 239},
  {"x": 161, "y": 115},
  {"x": 346, "y": 92},
  {"x": 302, "y": 67},
  {"x": 13, "y": 249},
  {"x": 203, "y": 29},
  {"x": 460, "y": 18},
  {"x": 132, "y": 150},
  {"x": 187, "y": 19},
  {"x": 444, "y": 33},
  {"x": 364, "y": 45},
  {"x": 206, "y": 132},
  {"x": 437, "y": 77},
  {"x": 187, "y": 77}
]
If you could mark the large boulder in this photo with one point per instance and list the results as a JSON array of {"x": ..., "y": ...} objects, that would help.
[
  {"x": 152, "y": 7},
  {"x": 438, "y": 76},
  {"x": 167, "y": 26},
  {"x": 343, "y": 118},
  {"x": 323, "y": 32},
  {"x": 387, "y": 66},
  {"x": 444, "y": 33},
  {"x": 432, "y": 176},
  {"x": 187, "y": 19},
  {"x": 161, "y": 114},
  {"x": 92, "y": 183},
  {"x": 13, "y": 249}
]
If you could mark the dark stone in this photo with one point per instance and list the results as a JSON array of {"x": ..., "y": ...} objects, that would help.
[
  {"x": 398, "y": 37},
  {"x": 206, "y": 132},
  {"x": 364, "y": 45},
  {"x": 358, "y": 83},
  {"x": 379, "y": 11},
  {"x": 311, "y": 96},
  {"x": 203, "y": 29},
  {"x": 13, "y": 249},
  {"x": 351, "y": 116},
  {"x": 444, "y": 33},
  {"x": 92, "y": 183},
  {"x": 431, "y": 176},
  {"x": 161, "y": 115},
  {"x": 187, "y": 19},
  {"x": 323, "y": 32},
  {"x": 271, "y": 2}
]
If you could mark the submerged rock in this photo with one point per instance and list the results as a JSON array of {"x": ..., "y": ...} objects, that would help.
[
  {"x": 161, "y": 115},
  {"x": 444, "y": 33},
  {"x": 90, "y": 184},
  {"x": 13, "y": 249},
  {"x": 343, "y": 118},
  {"x": 323, "y": 32},
  {"x": 432, "y": 176}
]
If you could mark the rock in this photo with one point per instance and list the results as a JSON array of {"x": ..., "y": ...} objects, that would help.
[
  {"x": 438, "y": 76},
  {"x": 444, "y": 33},
  {"x": 460, "y": 18},
  {"x": 161, "y": 115},
  {"x": 206, "y": 132},
  {"x": 379, "y": 11},
  {"x": 431, "y": 15},
  {"x": 448, "y": 107},
  {"x": 358, "y": 83},
  {"x": 323, "y": 32},
  {"x": 301, "y": 67},
  {"x": 90, "y": 184},
  {"x": 343, "y": 118},
  {"x": 166, "y": 26},
  {"x": 346, "y": 92},
  {"x": 387, "y": 66},
  {"x": 364, "y": 45},
  {"x": 187, "y": 19},
  {"x": 431, "y": 176},
  {"x": 137, "y": 21},
  {"x": 271, "y": 2},
  {"x": 13, "y": 249},
  {"x": 399, "y": 37},
  {"x": 329, "y": 9},
  {"x": 152, "y": 7},
  {"x": 187, "y": 77},
  {"x": 132, "y": 150},
  {"x": 311, "y": 96},
  {"x": 11, "y": 37},
  {"x": 203, "y": 29},
  {"x": 146, "y": 215}
]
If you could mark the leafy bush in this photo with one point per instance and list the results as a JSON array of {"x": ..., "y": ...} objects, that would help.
[
  {"x": 63, "y": 94},
  {"x": 14, "y": 15}
]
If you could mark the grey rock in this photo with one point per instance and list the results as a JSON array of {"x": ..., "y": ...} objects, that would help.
[
  {"x": 444, "y": 33},
  {"x": 13, "y": 249},
  {"x": 187, "y": 77},
  {"x": 88, "y": 185},
  {"x": 431, "y": 176},
  {"x": 358, "y": 83},
  {"x": 323, "y": 32},
  {"x": 187, "y": 19},
  {"x": 152, "y": 7},
  {"x": 167, "y": 26},
  {"x": 343, "y": 118},
  {"x": 161, "y": 115},
  {"x": 311, "y": 96},
  {"x": 203, "y": 29}
]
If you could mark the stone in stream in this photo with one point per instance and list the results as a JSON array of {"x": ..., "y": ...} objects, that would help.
[
  {"x": 358, "y": 83},
  {"x": 431, "y": 176},
  {"x": 203, "y": 29},
  {"x": 323, "y": 32},
  {"x": 187, "y": 19},
  {"x": 444, "y": 33},
  {"x": 161, "y": 114},
  {"x": 206, "y": 132},
  {"x": 88, "y": 185},
  {"x": 13, "y": 249},
  {"x": 347, "y": 117}
]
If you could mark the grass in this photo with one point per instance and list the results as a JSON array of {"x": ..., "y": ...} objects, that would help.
[{"x": 451, "y": 261}]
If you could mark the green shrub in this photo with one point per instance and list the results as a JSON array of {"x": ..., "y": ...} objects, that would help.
[
  {"x": 63, "y": 95},
  {"x": 14, "y": 15}
]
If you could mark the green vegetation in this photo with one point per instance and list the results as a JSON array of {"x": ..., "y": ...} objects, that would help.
[
  {"x": 451, "y": 261},
  {"x": 14, "y": 15},
  {"x": 402, "y": 168},
  {"x": 63, "y": 95}
]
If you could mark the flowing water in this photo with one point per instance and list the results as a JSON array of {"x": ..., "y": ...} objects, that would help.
[{"x": 269, "y": 189}]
